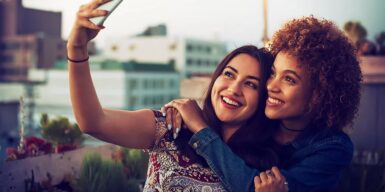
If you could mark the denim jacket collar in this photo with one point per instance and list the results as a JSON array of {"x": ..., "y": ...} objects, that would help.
[{"x": 306, "y": 137}]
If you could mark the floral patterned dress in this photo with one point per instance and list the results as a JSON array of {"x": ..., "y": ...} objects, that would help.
[{"x": 171, "y": 171}]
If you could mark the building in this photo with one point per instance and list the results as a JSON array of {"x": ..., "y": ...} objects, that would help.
[
  {"x": 29, "y": 38},
  {"x": 120, "y": 85},
  {"x": 9, "y": 115},
  {"x": 23, "y": 52},
  {"x": 191, "y": 57},
  {"x": 369, "y": 127},
  {"x": 195, "y": 88}
]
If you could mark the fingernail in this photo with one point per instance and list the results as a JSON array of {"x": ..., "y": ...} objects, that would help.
[
  {"x": 169, "y": 127},
  {"x": 175, "y": 135},
  {"x": 163, "y": 114},
  {"x": 177, "y": 130}
]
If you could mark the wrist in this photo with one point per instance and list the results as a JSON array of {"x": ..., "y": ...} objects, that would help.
[
  {"x": 77, "y": 53},
  {"x": 199, "y": 127},
  {"x": 78, "y": 60}
]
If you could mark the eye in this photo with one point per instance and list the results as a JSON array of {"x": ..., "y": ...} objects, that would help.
[
  {"x": 228, "y": 74},
  {"x": 251, "y": 85},
  {"x": 272, "y": 74},
  {"x": 290, "y": 80}
]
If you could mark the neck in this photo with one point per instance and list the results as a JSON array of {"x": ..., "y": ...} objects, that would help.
[
  {"x": 228, "y": 131},
  {"x": 289, "y": 130},
  {"x": 295, "y": 125}
]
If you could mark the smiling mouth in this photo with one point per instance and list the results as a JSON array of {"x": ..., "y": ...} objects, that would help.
[
  {"x": 230, "y": 102},
  {"x": 273, "y": 101}
]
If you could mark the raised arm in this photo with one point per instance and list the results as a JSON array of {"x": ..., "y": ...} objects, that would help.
[{"x": 134, "y": 129}]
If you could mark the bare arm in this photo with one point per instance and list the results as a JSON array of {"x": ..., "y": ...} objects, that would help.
[{"x": 134, "y": 129}]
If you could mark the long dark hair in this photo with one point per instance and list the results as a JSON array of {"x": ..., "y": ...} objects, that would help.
[{"x": 252, "y": 140}]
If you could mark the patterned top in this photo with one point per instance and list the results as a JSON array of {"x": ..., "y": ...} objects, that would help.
[{"x": 170, "y": 171}]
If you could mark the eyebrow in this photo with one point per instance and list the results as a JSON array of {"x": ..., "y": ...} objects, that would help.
[
  {"x": 291, "y": 72},
  {"x": 249, "y": 76}
]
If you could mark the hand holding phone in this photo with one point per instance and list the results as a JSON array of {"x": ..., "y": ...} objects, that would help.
[{"x": 110, "y": 7}]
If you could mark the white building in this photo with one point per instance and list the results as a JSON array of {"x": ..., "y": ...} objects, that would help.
[
  {"x": 125, "y": 86},
  {"x": 190, "y": 56}
]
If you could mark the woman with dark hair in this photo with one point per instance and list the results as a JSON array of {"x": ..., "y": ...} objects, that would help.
[
  {"x": 235, "y": 108},
  {"x": 314, "y": 92}
]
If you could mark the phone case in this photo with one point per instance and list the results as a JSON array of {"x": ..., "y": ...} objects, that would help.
[{"x": 110, "y": 6}]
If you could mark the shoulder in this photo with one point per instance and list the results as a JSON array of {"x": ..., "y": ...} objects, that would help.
[
  {"x": 327, "y": 138},
  {"x": 162, "y": 135},
  {"x": 335, "y": 143}
]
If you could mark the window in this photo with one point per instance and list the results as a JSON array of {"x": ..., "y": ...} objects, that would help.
[
  {"x": 199, "y": 62},
  {"x": 133, "y": 101},
  {"x": 207, "y": 63},
  {"x": 14, "y": 46},
  {"x": 172, "y": 47},
  {"x": 114, "y": 48},
  {"x": 145, "y": 100},
  {"x": 190, "y": 48},
  {"x": 208, "y": 49},
  {"x": 189, "y": 62},
  {"x": 172, "y": 83},
  {"x": 144, "y": 84},
  {"x": 133, "y": 83},
  {"x": 6, "y": 58},
  {"x": 3, "y": 46},
  {"x": 161, "y": 84},
  {"x": 132, "y": 47}
]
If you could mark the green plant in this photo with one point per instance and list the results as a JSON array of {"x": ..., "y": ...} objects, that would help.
[
  {"x": 60, "y": 130},
  {"x": 101, "y": 175},
  {"x": 136, "y": 163}
]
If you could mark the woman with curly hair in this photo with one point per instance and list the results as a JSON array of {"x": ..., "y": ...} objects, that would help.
[{"x": 314, "y": 92}]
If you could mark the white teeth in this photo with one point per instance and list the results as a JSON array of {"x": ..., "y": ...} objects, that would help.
[
  {"x": 274, "y": 101},
  {"x": 229, "y": 101}
]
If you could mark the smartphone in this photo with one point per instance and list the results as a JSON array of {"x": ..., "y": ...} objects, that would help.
[{"x": 110, "y": 7}]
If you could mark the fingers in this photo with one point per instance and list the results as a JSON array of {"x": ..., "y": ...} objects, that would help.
[
  {"x": 173, "y": 120},
  {"x": 169, "y": 116},
  {"x": 97, "y": 3},
  {"x": 163, "y": 110},
  {"x": 88, "y": 11},
  {"x": 177, "y": 123},
  {"x": 277, "y": 174},
  {"x": 270, "y": 180},
  {"x": 174, "y": 103},
  {"x": 92, "y": 13},
  {"x": 89, "y": 24},
  {"x": 257, "y": 183},
  {"x": 264, "y": 177}
]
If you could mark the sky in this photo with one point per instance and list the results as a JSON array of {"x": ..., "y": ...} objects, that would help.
[{"x": 236, "y": 22}]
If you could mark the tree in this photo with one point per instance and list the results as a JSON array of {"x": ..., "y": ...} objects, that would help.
[
  {"x": 380, "y": 40},
  {"x": 355, "y": 31},
  {"x": 357, "y": 34},
  {"x": 60, "y": 130}
]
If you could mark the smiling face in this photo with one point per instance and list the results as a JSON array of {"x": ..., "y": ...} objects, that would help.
[
  {"x": 234, "y": 94},
  {"x": 289, "y": 91}
]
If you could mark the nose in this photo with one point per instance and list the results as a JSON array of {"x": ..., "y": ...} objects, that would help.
[
  {"x": 273, "y": 85},
  {"x": 235, "y": 88}
]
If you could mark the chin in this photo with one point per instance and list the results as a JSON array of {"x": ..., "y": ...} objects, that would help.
[{"x": 272, "y": 115}]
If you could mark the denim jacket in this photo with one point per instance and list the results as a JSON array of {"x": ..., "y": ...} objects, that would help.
[{"x": 316, "y": 164}]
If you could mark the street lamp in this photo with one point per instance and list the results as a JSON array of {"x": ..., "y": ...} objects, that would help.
[{"x": 265, "y": 37}]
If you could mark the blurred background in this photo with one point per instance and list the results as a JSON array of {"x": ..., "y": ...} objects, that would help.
[{"x": 150, "y": 53}]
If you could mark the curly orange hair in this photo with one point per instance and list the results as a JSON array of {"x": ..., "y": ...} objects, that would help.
[{"x": 327, "y": 55}]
